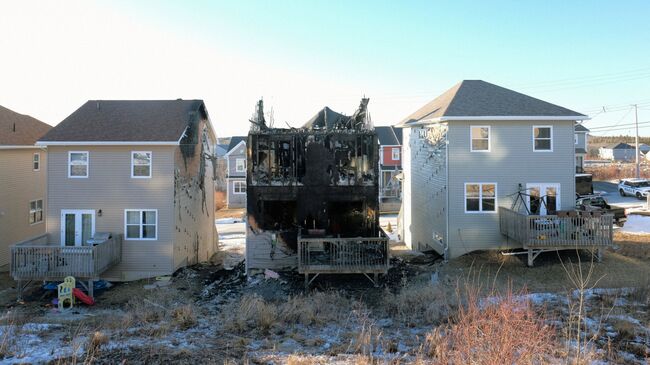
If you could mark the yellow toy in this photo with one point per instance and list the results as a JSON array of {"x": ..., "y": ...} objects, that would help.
[{"x": 65, "y": 292}]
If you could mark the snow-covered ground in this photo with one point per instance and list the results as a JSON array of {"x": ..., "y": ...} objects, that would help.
[
  {"x": 638, "y": 224},
  {"x": 232, "y": 240}
]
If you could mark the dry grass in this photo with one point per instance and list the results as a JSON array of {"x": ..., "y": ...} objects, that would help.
[
  {"x": 419, "y": 303},
  {"x": 507, "y": 330},
  {"x": 617, "y": 171},
  {"x": 253, "y": 312}
]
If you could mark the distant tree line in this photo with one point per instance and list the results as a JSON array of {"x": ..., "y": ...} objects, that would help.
[{"x": 602, "y": 140}]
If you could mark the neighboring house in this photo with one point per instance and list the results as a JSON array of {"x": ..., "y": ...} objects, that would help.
[
  {"x": 23, "y": 177},
  {"x": 390, "y": 165},
  {"x": 644, "y": 149},
  {"x": 138, "y": 170},
  {"x": 473, "y": 152},
  {"x": 236, "y": 172},
  {"x": 581, "y": 143},
  {"x": 622, "y": 152}
]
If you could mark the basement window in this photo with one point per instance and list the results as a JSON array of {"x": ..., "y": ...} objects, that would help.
[{"x": 480, "y": 197}]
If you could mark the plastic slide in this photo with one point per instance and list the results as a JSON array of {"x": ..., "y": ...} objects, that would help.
[{"x": 82, "y": 297}]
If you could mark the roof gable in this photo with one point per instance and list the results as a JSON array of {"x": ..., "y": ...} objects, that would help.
[
  {"x": 386, "y": 136},
  {"x": 19, "y": 129},
  {"x": 476, "y": 98},
  {"x": 235, "y": 141},
  {"x": 127, "y": 121}
]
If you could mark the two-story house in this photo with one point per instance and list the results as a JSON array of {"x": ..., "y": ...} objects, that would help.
[
  {"x": 581, "y": 143},
  {"x": 236, "y": 172},
  {"x": 482, "y": 164},
  {"x": 139, "y": 171},
  {"x": 23, "y": 169},
  {"x": 390, "y": 166}
]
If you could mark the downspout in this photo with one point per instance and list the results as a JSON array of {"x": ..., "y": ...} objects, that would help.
[{"x": 446, "y": 249}]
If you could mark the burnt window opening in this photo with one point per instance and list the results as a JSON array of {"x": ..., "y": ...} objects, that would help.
[{"x": 278, "y": 214}]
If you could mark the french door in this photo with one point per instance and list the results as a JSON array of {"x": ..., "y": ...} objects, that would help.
[
  {"x": 77, "y": 226},
  {"x": 543, "y": 198}
]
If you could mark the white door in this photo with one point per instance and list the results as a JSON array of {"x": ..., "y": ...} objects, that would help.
[
  {"x": 543, "y": 198},
  {"x": 77, "y": 226}
]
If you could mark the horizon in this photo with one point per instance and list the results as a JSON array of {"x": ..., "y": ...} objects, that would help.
[{"x": 399, "y": 55}]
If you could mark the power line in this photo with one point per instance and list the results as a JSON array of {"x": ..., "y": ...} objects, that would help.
[{"x": 621, "y": 128}]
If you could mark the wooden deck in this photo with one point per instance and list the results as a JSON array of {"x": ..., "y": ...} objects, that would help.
[
  {"x": 335, "y": 255},
  {"x": 537, "y": 233},
  {"x": 37, "y": 259}
]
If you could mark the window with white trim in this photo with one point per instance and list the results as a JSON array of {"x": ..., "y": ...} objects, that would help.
[
  {"x": 77, "y": 164},
  {"x": 542, "y": 138},
  {"x": 36, "y": 211},
  {"x": 480, "y": 197},
  {"x": 239, "y": 187},
  {"x": 141, "y": 224},
  {"x": 240, "y": 165},
  {"x": 480, "y": 138},
  {"x": 395, "y": 154},
  {"x": 140, "y": 164},
  {"x": 36, "y": 162}
]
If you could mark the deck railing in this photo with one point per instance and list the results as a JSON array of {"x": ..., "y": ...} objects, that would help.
[
  {"x": 343, "y": 255},
  {"x": 551, "y": 231},
  {"x": 34, "y": 259}
]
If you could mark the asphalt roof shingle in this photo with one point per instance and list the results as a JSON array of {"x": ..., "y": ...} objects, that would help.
[
  {"x": 386, "y": 136},
  {"x": 581, "y": 128},
  {"x": 19, "y": 129},
  {"x": 126, "y": 121},
  {"x": 234, "y": 141},
  {"x": 477, "y": 98}
]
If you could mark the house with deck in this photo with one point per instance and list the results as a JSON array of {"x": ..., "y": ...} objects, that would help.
[
  {"x": 581, "y": 143},
  {"x": 236, "y": 172},
  {"x": 23, "y": 168},
  {"x": 130, "y": 193},
  {"x": 390, "y": 167},
  {"x": 313, "y": 196},
  {"x": 486, "y": 167}
]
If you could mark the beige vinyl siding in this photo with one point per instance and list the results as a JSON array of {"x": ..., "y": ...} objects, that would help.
[
  {"x": 19, "y": 184},
  {"x": 511, "y": 161},
  {"x": 109, "y": 187},
  {"x": 195, "y": 237}
]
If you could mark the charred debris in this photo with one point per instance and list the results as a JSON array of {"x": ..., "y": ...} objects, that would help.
[{"x": 317, "y": 180}]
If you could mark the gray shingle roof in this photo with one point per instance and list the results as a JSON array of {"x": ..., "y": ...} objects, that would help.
[
  {"x": 19, "y": 129},
  {"x": 326, "y": 118},
  {"x": 477, "y": 98},
  {"x": 234, "y": 141},
  {"x": 580, "y": 150},
  {"x": 127, "y": 121},
  {"x": 581, "y": 128},
  {"x": 386, "y": 136}
]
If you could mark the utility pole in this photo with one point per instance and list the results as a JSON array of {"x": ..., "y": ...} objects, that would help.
[{"x": 636, "y": 141}]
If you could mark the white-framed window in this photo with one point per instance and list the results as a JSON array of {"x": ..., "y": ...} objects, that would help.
[
  {"x": 422, "y": 133},
  {"x": 240, "y": 165},
  {"x": 480, "y": 138},
  {"x": 575, "y": 138},
  {"x": 78, "y": 162},
  {"x": 480, "y": 197},
  {"x": 140, "y": 224},
  {"x": 395, "y": 153},
  {"x": 36, "y": 162},
  {"x": 36, "y": 211},
  {"x": 239, "y": 187},
  {"x": 140, "y": 164},
  {"x": 543, "y": 138}
]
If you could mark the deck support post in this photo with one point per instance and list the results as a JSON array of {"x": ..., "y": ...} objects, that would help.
[
  {"x": 376, "y": 280},
  {"x": 91, "y": 288},
  {"x": 531, "y": 258},
  {"x": 306, "y": 281},
  {"x": 599, "y": 254}
]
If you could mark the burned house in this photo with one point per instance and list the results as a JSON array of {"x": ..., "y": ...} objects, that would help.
[{"x": 312, "y": 195}]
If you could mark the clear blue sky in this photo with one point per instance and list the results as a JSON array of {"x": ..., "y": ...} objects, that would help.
[{"x": 303, "y": 55}]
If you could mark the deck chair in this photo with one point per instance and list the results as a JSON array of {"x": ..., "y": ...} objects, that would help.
[{"x": 65, "y": 292}]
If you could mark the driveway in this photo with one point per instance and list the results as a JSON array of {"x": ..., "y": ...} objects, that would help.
[{"x": 612, "y": 196}]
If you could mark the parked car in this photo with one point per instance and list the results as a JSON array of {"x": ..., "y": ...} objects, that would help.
[
  {"x": 597, "y": 203},
  {"x": 635, "y": 187}
]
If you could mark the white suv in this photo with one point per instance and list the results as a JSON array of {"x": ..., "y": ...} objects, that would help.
[{"x": 636, "y": 187}]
